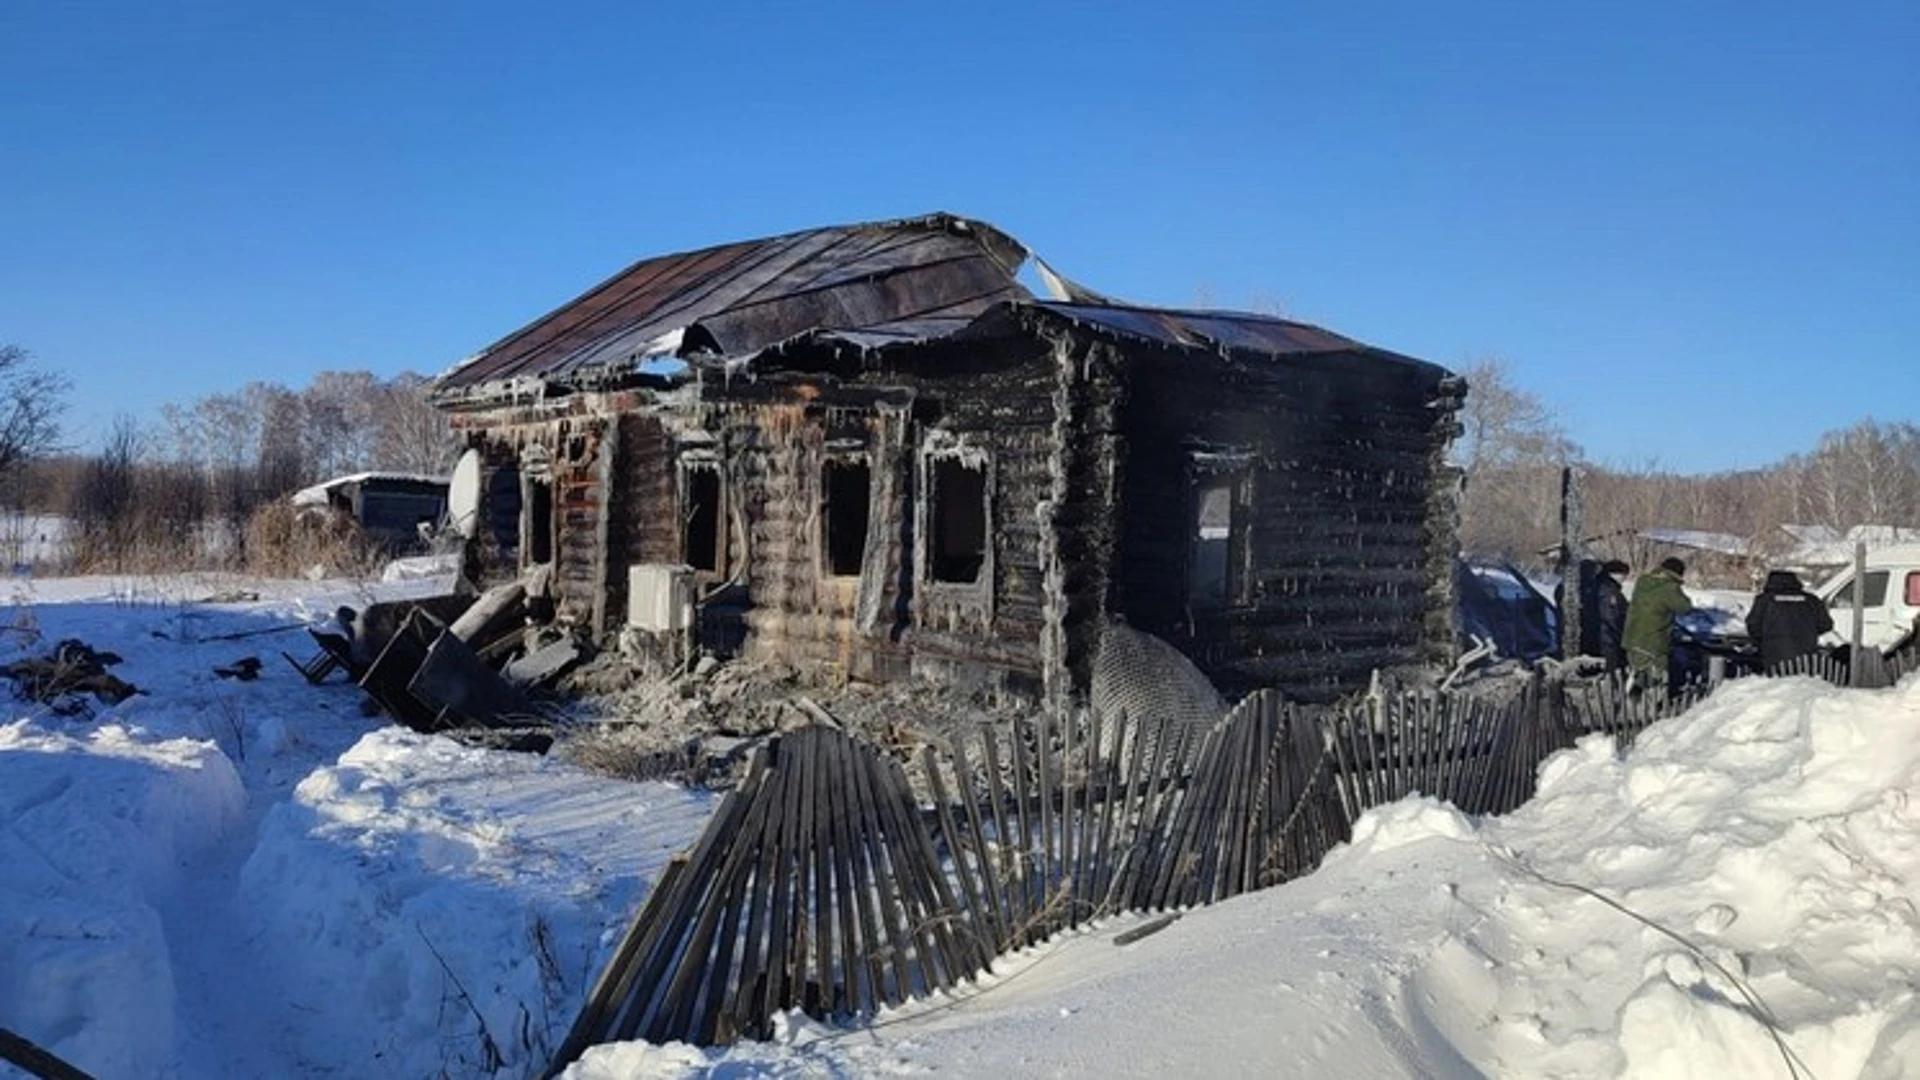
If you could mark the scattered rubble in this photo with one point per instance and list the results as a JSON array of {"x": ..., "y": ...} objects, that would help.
[
  {"x": 63, "y": 677},
  {"x": 490, "y": 668},
  {"x": 455, "y": 663},
  {"x": 701, "y": 726}
]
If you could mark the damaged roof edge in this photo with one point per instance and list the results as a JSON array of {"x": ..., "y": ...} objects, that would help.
[
  {"x": 672, "y": 307},
  {"x": 1228, "y": 333},
  {"x": 1008, "y": 253}
]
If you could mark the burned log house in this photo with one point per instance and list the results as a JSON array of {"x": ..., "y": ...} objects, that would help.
[{"x": 870, "y": 452}]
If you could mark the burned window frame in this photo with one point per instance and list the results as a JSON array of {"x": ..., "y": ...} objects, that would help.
[
  {"x": 504, "y": 526},
  {"x": 538, "y": 545},
  {"x": 847, "y": 457},
  {"x": 536, "y": 473},
  {"x": 944, "y": 448},
  {"x": 686, "y": 466},
  {"x": 1210, "y": 469}
]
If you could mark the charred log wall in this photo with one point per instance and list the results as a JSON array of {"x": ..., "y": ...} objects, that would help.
[
  {"x": 641, "y": 501},
  {"x": 776, "y": 454},
  {"x": 997, "y": 404},
  {"x": 546, "y": 473},
  {"x": 1333, "y": 467},
  {"x": 1089, "y": 448}
]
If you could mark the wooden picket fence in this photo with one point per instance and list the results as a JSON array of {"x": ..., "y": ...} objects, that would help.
[
  {"x": 840, "y": 877},
  {"x": 1875, "y": 669}
]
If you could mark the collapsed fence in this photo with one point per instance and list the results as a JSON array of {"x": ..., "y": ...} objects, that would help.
[{"x": 840, "y": 877}]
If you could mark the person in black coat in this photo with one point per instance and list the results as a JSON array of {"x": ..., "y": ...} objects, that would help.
[
  {"x": 1610, "y": 605},
  {"x": 1786, "y": 621},
  {"x": 1603, "y": 611}
]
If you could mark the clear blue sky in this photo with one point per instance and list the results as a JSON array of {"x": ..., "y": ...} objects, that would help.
[{"x": 1694, "y": 228}]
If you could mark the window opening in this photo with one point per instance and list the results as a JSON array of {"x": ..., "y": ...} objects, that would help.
[
  {"x": 1876, "y": 592},
  {"x": 957, "y": 535},
  {"x": 700, "y": 514},
  {"x": 540, "y": 523},
  {"x": 847, "y": 487},
  {"x": 503, "y": 509},
  {"x": 1913, "y": 589},
  {"x": 1211, "y": 578}
]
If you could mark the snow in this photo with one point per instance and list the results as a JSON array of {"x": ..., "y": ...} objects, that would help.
[
  {"x": 218, "y": 878},
  {"x": 1716, "y": 612},
  {"x": 1773, "y": 828}
]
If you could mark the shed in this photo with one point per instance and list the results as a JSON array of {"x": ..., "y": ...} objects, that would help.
[
  {"x": 390, "y": 506},
  {"x": 881, "y": 456}
]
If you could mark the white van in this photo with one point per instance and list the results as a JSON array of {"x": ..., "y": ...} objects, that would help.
[{"x": 1892, "y": 601}]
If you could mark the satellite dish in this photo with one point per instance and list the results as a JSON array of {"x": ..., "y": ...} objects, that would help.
[{"x": 463, "y": 496}]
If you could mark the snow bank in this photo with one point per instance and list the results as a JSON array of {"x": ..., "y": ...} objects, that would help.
[
  {"x": 227, "y": 878},
  {"x": 96, "y": 825},
  {"x": 323, "y": 898},
  {"x": 437, "y": 907},
  {"x": 1774, "y": 829}
]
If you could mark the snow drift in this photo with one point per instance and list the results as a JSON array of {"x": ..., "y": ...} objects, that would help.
[
  {"x": 1765, "y": 849},
  {"x": 220, "y": 879}
]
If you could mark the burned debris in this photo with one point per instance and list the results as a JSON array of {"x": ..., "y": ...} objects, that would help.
[
  {"x": 456, "y": 663},
  {"x": 65, "y": 677},
  {"x": 245, "y": 669},
  {"x": 869, "y": 453}
]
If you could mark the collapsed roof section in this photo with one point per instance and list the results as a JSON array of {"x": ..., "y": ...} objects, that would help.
[{"x": 866, "y": 287}]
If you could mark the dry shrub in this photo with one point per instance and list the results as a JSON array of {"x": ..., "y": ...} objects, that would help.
[{"x": 284, "y": 540}]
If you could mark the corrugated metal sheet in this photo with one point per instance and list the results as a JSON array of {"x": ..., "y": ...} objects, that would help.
[
  {"x": 869, "y": 287},
  {"x": 1211, "y": 330},
  {"x": 738, "y": 298}
]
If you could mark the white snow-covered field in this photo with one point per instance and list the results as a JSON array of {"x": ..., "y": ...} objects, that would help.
[{"x": 253, "y": 879}]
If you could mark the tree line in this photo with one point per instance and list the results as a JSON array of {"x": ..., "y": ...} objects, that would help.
[
  {"x": 1512, "y": 450},
  {"x": 186, "y": 490}
]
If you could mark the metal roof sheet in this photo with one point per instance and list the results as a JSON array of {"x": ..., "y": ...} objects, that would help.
[
  {"x": 873, "y": 286},
  {"x": 742, "y": 297}
]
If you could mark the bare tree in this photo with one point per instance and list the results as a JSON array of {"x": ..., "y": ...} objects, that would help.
[
  {"x": 1511, "y": 449},
  {"x": 31, "y": 401},
  {"x": 1867, "y": 474},
  {"x": 102, "y": 506},
  {"x": 337, "y": 421},
  {"x": 410, "y": 434}
]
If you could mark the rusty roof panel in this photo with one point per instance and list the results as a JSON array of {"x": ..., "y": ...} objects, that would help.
[{"x": 746, "y": 296}]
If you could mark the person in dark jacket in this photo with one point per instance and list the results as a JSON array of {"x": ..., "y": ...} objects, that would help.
[
  {"x": 1610, "y": 611},
  {"x": 1786, "y": 621}
]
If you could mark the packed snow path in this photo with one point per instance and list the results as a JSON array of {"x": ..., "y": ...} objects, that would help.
[{"x": 222, "y": 878}]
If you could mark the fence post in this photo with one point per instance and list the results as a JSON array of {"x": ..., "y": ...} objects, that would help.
[
  {"x": 1859, "y": 612},
  {"x": 1568, "y": 565}
]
